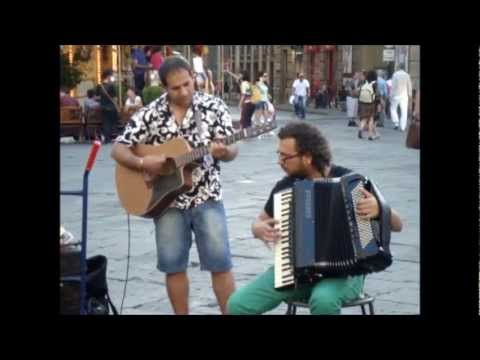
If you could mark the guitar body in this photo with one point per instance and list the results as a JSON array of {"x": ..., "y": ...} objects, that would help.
[
  {"x": 152, "y": 200},
  {"x": 137, "y": 197}
]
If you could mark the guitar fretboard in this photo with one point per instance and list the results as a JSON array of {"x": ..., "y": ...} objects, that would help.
[{"x": 200, "y": 152}]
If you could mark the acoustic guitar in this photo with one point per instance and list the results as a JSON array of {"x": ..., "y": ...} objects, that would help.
[{"x": 151, "y": 200}]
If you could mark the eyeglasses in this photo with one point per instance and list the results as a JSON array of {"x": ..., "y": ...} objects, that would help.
[{"x": 284, "y": 157}]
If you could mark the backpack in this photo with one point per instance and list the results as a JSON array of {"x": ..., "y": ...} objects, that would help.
[
  {"x": 367, "y": 94},
  {"x": 256, "y": 94}
]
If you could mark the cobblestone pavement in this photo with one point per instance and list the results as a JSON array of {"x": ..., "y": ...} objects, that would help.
[{"x": 247, "y": 182}]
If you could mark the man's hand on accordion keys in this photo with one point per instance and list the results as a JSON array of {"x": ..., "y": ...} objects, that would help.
[
  {"x": 266, "y": 231},
  {"x": 367, "y": 208}
]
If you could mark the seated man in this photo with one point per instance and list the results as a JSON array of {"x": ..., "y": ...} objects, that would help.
[
  {"x": 90, "y": 102},
  {"x": 66, "y": 99},
  {"x": 133, "y": 101},
  {"x": 303, "y": 153}
]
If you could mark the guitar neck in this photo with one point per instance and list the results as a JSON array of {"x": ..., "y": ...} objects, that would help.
[{"x": 200, "y": 152}]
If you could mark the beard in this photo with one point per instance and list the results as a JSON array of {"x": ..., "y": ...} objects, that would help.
[{"x": 299, "y": 173}]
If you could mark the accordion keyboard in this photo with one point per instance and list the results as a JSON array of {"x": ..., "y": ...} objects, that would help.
[{"x": 282, "y": 201}]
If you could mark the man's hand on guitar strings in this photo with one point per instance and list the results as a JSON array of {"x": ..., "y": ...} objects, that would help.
[{"x": 367, "y": 208}]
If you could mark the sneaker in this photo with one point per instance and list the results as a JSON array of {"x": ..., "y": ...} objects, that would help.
[
  {"x": 396, "y": 127},
  {"x": 352, "y": 123}
]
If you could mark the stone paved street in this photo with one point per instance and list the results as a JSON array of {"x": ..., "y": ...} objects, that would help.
[{"x": 247, "y": 182}]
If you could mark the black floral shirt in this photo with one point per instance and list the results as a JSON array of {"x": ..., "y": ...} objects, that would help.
[{"x": 154, "y": 125}]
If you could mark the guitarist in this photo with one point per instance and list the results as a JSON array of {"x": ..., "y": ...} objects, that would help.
[{"x": 202, "y": 120}]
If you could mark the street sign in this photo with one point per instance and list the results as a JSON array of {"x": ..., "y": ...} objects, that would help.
[{"x": 388, "y": 55}]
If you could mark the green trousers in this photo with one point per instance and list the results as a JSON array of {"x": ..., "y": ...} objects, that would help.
[{"x": 325, "y": 297}]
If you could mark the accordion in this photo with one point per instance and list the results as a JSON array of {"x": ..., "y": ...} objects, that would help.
[{"x": 322, "y": 234}]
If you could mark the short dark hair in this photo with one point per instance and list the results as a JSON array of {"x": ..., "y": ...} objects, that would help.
[
  {"x": 309, "y": 140},
  {"x": 156, "y": 48},
  {"x": 107, "y": 73},
  {"x": 371, "y": 76},
  {"x": 90, "y": 93},
  {"x": 172, "y": 64},
  {"x": 259, "y": 75}
]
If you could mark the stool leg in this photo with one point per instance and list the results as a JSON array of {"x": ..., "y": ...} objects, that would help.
[
  {"x": 370, "y": 305},
  {"x": 289, "y": 309},
  {"x": 363, "y": 309}
]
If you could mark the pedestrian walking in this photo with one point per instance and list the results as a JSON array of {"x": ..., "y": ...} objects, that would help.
[{"x": 400, "y": 96}]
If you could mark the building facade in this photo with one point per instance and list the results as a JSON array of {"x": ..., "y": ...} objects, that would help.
[
  {"x": 321, "y": 64},
  {"x": 352, "y": 58}
]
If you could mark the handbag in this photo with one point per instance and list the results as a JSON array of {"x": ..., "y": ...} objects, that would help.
[
  {"x": 256, "y": 94},
  {"x": 413, "y": 134}
]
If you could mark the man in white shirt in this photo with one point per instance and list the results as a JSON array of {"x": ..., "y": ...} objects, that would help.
[
  {"x": 301, "y": 91},
  {"x": 401, "y": 93}
]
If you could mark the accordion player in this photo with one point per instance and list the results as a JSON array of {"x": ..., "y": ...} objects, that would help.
[{"x": 322, "y": 234}]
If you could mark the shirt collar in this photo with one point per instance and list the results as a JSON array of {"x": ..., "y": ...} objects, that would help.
[{"x": 197, "y": 101}]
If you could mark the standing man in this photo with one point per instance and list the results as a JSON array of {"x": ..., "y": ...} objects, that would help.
[
  {"x": 351, "y": 100},
  {"x": 139, "y": 67},
  {"x": 202, "y": 120},
  {"x": 401, "y": 93},
  {"x": 301, "y": 91},
  {"x": 108, "y": 97},
  {"x": 382, "y": 94}
]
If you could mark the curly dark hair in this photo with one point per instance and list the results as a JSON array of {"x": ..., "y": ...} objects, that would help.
[{"x": 309, "y": 140}]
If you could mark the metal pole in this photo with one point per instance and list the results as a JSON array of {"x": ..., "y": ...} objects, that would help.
[
  {"x": 219, "y": 60},
  {"x": 222, "y": 71},
  {"x": 83, "y": 252},
  {"x": 252, "y": 54},
  {"x": 119, "y": 61}
]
